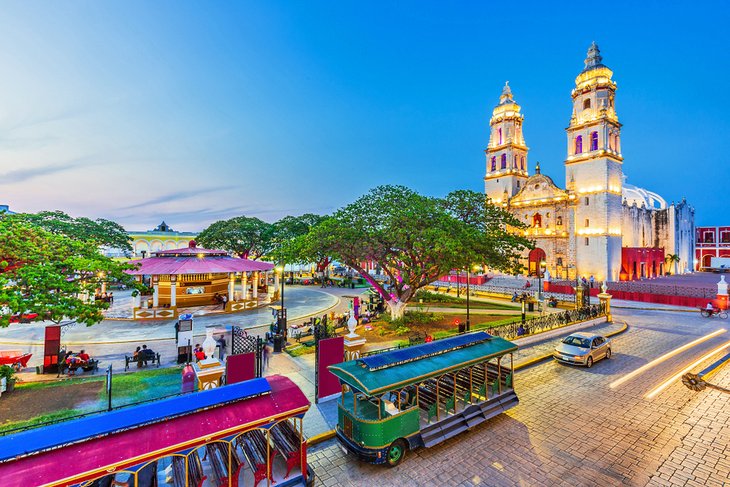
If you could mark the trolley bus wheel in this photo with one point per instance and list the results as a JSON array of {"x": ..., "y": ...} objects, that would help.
[
  {"x": 589, "y": 362},
  {"x": 396, "y": 453}
]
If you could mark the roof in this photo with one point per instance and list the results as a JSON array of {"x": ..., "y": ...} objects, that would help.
[
  {"x": 194, "y": 265},
  {"x": 188, "y": 419},
  {"x": 393, "y": 370}
]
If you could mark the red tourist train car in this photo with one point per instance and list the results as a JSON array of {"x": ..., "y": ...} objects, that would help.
[{"x": 245, "y": 434}]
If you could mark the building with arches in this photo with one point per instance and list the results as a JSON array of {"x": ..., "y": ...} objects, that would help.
[
  {"x": 163, "y": 237},
  {"x": 598, "y": 225},
  {"x": 711, "y": 242}
]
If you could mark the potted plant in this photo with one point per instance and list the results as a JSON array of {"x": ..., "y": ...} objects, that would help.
[{"x": 8, "y": 373}]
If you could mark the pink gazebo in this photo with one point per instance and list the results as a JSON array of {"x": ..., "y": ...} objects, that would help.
[{"x": 194, "y": 276}]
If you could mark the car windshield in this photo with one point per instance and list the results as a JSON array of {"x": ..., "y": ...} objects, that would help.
[{"x": 577, "y": 341}]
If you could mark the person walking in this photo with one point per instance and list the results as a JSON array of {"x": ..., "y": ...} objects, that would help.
[{"x": 266, "y": 355}]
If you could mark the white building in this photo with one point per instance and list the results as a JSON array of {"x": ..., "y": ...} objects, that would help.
[{"x": 598, "y": 225}]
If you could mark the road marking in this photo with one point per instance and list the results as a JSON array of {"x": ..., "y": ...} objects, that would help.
[
  {"x": 679, "y": 374},
  {"x": 664, "y": 357}
]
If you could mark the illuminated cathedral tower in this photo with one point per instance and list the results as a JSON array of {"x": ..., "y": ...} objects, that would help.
[
  {"x": 506, "y": 152},
  {"x": 593, "y": 170}
]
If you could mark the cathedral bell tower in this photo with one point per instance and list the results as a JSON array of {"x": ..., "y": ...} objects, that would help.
[
  {"x": 506, "y": 152},
  {"x": 593, "y": 170}
]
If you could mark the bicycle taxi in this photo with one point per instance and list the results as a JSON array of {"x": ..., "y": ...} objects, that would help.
[{"x": 422, "y": 395}]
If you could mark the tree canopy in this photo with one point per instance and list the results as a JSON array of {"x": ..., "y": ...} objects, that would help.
[
  {"x": 100, "y": 232},
  {"x": 246, "y": 237},
  {"x": 50, "y": 273},
  {"x": 415, "y": 239},
  {"x": 292, "y": 242}
]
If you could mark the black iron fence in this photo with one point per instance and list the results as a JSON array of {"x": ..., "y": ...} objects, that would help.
[{"x": 512, "y": 330}]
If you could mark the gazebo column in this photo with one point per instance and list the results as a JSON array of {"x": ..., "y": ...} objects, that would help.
[
  {"x": 156, "y": 293},
  {"x": 255, "y": 290},
  {"x": 136, "y": 300},
  {"x": 231, "y": 286},
  {"x": 173, "y": 291},
  {"x": 244, "y": 285}
]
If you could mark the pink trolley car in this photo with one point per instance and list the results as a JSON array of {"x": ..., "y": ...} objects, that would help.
[{"x": 245, "y": 434}]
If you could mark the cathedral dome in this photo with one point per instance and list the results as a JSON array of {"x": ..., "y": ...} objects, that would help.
[{"x": 641, "y": 197}]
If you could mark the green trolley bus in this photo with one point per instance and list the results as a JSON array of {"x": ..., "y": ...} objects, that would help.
[{"x": 422, "y": 395}]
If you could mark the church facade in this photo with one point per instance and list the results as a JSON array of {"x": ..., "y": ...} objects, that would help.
[{"x": 597, "y": 224}]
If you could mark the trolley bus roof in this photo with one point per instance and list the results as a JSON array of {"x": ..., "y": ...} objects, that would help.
[{"x": 394, "y": 370}]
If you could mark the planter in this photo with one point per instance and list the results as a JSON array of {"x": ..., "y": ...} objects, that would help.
[{"x": 10, "y": 385}]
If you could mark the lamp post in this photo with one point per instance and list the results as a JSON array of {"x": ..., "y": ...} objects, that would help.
[
  {"x": 539, "y": 280},
  {"x": 468, "y": 324},
  {"x": 282, "y": 312}
]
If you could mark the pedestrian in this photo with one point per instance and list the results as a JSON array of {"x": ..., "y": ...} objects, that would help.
[
  {"x": 592, "y": 280},
  {"x": 222, "y": 345},
  {"x": 265, "y": 355},
  {"x": 224, "y": 300},
  {"x": 111, "y": 298},
  {"x": 198, "y": 352}
]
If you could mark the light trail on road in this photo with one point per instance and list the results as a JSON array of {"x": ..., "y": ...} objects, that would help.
[
  {"x": 652, "y": 394},
  {"x": 664, "y": 357}
]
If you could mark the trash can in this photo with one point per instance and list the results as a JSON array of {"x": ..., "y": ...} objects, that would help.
[
  {"x": 278, "y": 342},
  {"x": 531, "y": 306},
  {"x": 462, "y": 327}
]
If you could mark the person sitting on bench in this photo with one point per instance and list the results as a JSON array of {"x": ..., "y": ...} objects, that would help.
[{"x": 145, "y": 355}]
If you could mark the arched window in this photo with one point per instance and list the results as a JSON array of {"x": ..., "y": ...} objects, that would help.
[
  {"x": 515, "y": 163},
  {"x": 579, "y": 144},
  {"x": 500, "y": 136},
  {"x": 594, "y": 141},
  {"x": 522, "y": 163},
  {"x": 610, "y": 142},
  {"x": 494, "y": 163},
  {"x": 536, "y": 220},
  {"x": 503, "y": 162},
  {"x": 559, "y": 221},
  {"x": 586, "y": 103}
]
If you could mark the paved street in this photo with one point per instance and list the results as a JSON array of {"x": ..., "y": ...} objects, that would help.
[{"x": 572, "y": 429}]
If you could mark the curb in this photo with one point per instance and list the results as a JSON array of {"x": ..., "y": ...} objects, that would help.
[{"x": 328, "y": 435}]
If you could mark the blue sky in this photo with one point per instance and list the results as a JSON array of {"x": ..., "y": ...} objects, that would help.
[{"x": 196, "y": 111}]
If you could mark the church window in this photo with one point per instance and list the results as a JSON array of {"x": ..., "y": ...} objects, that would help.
[
  {"x": 518, "y": 185},
  {"x": 579, "y": 144},
  {"x": 586, "y": 103},
  {"x": 515, "y": 166},
  {"x": 537, "y": 220},
  {"x": 503, "y": 162},
  {"x": 594, "y": 141},
  {"x": 588, "y": 223},
  {"x": 709, "y": 237},
  {"x": 560, "y": 262},
  {"x": 522, "y": 163},
  {"x": 494, "y": 163},
  {"x": 500, "y": 136},
  {"x": 725, "y": 237},
  {"x": 559, "y": 221},
  {"x": 587, "y": 241},
  {"x": 588, "y": 201}
]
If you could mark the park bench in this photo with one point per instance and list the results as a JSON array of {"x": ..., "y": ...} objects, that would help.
[
  {"x": 150, "y": 356},
  {"x": 254, "y": 446},
  {"x": 288, "y": 443},
  {"x": 305, "y": 330},
  {"x": 63, "y": 368}
]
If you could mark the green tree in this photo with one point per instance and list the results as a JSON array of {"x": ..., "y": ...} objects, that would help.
[
  {"x": 50, "y": 273},
  {"x": 673, "y": 258},
  {"x": 101, "y": 232},
  {"x": 415, "y": 239},
  {"x": 291, "y": 241},
  {"x": 247, "y": 237}
]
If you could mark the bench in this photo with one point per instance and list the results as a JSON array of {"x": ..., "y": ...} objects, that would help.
[
  {"x": 288, "y": 443},
  {"x": 142, "y": 359},
  {"x": 301, "y": 332},
  {"x": 254, "y": 446},
  {"x": 217, "y": 456},
  {"x": 90, "y": 366}
]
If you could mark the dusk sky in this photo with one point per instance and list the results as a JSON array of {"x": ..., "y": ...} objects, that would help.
[{"x": 190, "y": 112}]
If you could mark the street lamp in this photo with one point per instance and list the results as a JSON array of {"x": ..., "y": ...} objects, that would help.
[
  {"x": 539, "y": 280},
  {"x": 282, "y": 312},
  {"x": 468, "y": 278}
]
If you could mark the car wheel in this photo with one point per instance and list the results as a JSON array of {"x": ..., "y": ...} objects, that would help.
[
  {"x": 589, "y": 362},
  {"x": 608, "y": 353},
  {"x": 396, "y": 453}
]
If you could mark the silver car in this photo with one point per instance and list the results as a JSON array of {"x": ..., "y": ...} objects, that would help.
[{"x": 582, "y": 349}]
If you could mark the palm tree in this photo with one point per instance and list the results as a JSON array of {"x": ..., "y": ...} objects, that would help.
[{"x": 669, "y": 258}]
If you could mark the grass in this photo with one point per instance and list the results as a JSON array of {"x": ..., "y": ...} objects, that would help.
[
  {"x": 145, "y": 384},
  {"x": 446, "y": 301},
  {"x": 44, "y": 418},
  {"x": 299, "y": 350}
]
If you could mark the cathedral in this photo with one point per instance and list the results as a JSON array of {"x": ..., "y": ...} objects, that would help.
[{"x": 597, "y": 225}]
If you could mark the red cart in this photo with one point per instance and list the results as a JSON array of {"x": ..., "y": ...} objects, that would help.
[{"x": 15, "y": 358}]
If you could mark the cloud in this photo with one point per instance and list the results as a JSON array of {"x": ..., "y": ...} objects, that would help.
[
  {"x": 21, "y": 175},
  {"x": 177, "y": 196}
]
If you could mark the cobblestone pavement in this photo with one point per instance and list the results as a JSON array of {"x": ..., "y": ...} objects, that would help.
[{"x": 571, "y": 428}]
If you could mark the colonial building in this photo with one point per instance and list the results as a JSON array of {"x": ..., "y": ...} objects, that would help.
[
  {"x": 597, "y": 225},
  {"x": 711, "y": 242},
  {"x": 163, "y": 237}
]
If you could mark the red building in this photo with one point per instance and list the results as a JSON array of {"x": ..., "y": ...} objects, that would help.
[
  {"x": 711, "y": 242},
  {"x": 641, "y": 262}
]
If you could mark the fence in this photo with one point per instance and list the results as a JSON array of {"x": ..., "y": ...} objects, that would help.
[
  {"x": 502, "y": 291},
  {"x": 531, "y": 326}
]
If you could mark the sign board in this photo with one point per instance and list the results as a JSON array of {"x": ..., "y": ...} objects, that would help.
[
  {"x": 240, "y": 367},
  {"x": 330, "y": 351},
  {"x": 184, "y": 332}
]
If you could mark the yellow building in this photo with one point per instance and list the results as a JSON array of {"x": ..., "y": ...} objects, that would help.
[{"x": 163, "y": 237}]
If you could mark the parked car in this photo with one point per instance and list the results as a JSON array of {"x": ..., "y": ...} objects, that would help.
[
  {"x": 24, "y": 318},
  {"x": 582, "y": 349}
]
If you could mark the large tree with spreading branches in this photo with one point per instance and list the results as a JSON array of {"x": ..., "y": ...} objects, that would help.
[
  {"x": 415, "y": 239},
  {"x": 100, "y": 232},
  {"x": 247, "y": 237},
  {"x": 51, "y": 274}
]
